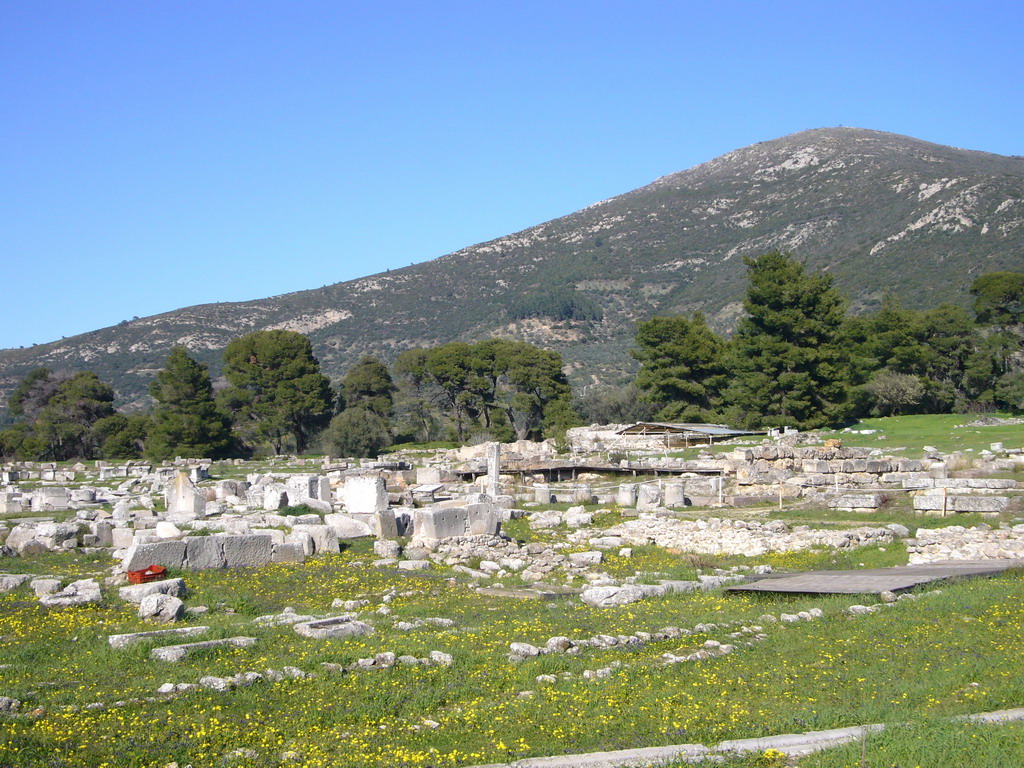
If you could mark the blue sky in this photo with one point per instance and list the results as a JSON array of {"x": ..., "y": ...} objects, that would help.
[{"x": 155, "y": 155}]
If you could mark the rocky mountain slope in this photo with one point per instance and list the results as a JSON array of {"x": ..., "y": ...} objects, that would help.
[{"x": 881, "y": 212}]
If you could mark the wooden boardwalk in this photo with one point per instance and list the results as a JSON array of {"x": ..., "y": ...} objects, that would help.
[{"x": 872, "y": 581}]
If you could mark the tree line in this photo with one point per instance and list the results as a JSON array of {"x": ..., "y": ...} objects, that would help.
[
  {"x": 797, "y": 358},
  {"x": 274, "y": 398}
]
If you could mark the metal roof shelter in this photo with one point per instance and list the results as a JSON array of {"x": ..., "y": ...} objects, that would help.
[{"x": 684, "y": 434}]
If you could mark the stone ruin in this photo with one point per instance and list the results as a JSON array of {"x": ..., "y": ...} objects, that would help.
[{"x": 174, "y": 515}]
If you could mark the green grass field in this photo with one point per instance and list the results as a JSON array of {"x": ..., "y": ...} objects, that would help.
[
  {"x": 946, "y": 654},
  {"x": 908, "y": 435}
]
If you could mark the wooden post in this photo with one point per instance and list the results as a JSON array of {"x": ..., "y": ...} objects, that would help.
[
  {"x": 780, "y": 495},
  {"x": 721, "y": 499},
  {"x": 944, "y": 501}
]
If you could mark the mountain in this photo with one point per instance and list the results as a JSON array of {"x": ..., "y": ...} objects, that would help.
[{"x": 879, "y": 211}]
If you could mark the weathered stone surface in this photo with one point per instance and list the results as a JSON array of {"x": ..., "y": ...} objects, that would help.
[
  {"x": 162, "y": 608},
  {"x": 856, "y": 501},
  {"x": 955, "y": 542},
  {"x": 45, "y": 586},
  {"x": 204, "y": 552},
  {"x": 288, "y": 553},
  {"x": 648, "y": 497},
  {"x": 123, "y": 641},
  {"x": 586, "y": 558},
  {"x": 36, "y": 538},
  {"x": 170, "y": 554},
  {"x": 741, "y": 537},
  {"x": 385, "y": 525},
  {"x": 50, "y": 499},
  {"x": 173, "y": 653},
  {"x": 325, "y": 539},
  {"x": 246, "y": 551},
  {"x": 9, "y": 581},
  {"x": 77, "y": 593},
  {"x": 612, "y": 595},
  {"x": 134, "y": 593},
  {"x": 934, "y": 503},
  {"x": 348, "y": 527},
  {"x": 8, "y": 704},
  {"x": 334, "y": 627},
  {"x": 365, "y": 494},
  {"x": 184, "y": 500}
]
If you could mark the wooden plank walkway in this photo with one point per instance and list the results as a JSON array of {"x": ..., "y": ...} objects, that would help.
[{"x": 872, "y": 581}]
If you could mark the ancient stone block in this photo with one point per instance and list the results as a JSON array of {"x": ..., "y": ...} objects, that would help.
[
  {"x": 173, "y": 653},
  {"x": 170, "y": 554},
  {"x": 365, "y": 494},
  {"x": 334, "y": 627},
  {"x": 184, "y": 500},
  {"x": 246, "y": 551},
  {"x": 204, "y": 552},
  {"x": 123, "y": 641},
  {"x": 348, "y": 527},
  {"x": 134, "y": 593}
]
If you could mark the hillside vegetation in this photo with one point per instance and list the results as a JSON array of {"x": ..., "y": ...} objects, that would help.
[{"x": 878, "y": 211}]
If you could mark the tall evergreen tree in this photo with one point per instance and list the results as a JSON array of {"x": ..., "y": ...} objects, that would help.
[
  {"x": 682, "y": 367},
  {"x": 66, "y": 422},
  {"x": 186, "y": 420},
  {"x": 368, "y": 385},
  {"x": 277, "y": 390},
  {"x": 789, "y": 365}
]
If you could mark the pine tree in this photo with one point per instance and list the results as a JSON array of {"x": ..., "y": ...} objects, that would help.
[
  {"x": 277, "y": 389},
  {"x": 681, "y": 367},
  {"x": 788, "y": 362},
  {"x": 186, "y": 420}
]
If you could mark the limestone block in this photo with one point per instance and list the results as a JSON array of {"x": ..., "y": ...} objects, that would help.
[
  {"x": 275, "y": 497},
  {"x": 184, "y": 500},
  {"x": 348, "y": 527},
  {"x": 45, "y": 586},
  {"x": 246, "y": 551},
  {"x": 77, "y": 593},
  {"x": 120, "y": 642},
  {"x": 483, "y": 520},
  {"x": 50, "y": 500},
  {"x": 134, "y": 593},
  {"x": 9, "y": 581},
  {"x": 626, "y": 496},
  {"x": 288, "y": 553},
  {"x": 325, "y": 540},
  {"x": 170, "y": 554},
  {"x": 856, "y": 501},
  {"x": 428, "y": 475},
  {"x": 103, "y": 530},
  {"x": 167, "y": 530},
  {"x": 162, "y": 608},
  {"x": 302, "y": 540},
  {"x": 980, "y": 503},
  {"x": 333, "y": 627},
  {"x": 302, "y": 487},
  {"x": 36, "y": 538},
  {"x": 433, "y": 523},
  {"x": 204, "y": 552},
  {"x": 174, "y": 653},
  {"x": 276, "y": 536},
  {"x": 648, "y": 497},
  {"x": 385, "y": 525},
  {"x": 365, "y": 494},
  {"x": 675, "y": 495}
]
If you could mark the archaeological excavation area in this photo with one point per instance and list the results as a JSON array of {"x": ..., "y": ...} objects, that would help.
[{"x": 505, "y": 602}]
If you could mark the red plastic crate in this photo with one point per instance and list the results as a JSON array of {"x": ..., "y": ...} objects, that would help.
[{"x": 149, "y": 573}]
